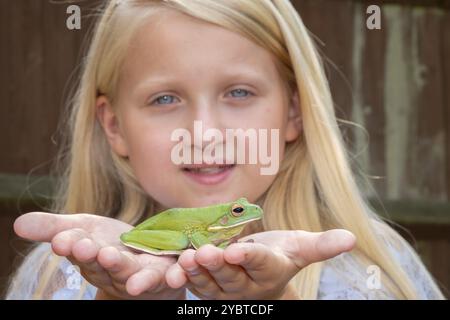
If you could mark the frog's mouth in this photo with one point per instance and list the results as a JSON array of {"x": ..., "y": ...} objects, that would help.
[{"x": 216, "y": 228}]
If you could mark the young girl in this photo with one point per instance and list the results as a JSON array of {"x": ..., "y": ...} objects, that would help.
[{"x": 156, "y": 66}]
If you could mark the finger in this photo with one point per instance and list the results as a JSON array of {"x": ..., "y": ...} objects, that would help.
[
  {"x": 199, "y": 277},
  {"x": 230, "y": 278},
  {"x": 310, "y": 247},
  {"x": 63, "y": 242},
  {"x": 147, "y": 279},
  {"x": 93, "y": 272},
  {"x": 42, "y": 226},
  {"x": 260, "y": 261},
  {"x": 119, "y": 265},
  {"x": 83, "y": 253},
  {"x": 85, "y": 250},
  {"x": 176, "y": 276}
]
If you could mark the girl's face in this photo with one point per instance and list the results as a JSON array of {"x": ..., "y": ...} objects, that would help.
[{"x": 178, "y": 70}]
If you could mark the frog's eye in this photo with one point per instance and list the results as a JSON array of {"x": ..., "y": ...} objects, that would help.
[{"x": 237, "y": 210}]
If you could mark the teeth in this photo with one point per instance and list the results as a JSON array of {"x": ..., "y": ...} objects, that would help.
[{"x": 210, "y": 170}]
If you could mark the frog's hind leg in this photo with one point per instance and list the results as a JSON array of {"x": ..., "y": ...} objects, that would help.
[{"x": 156, "y": 241}]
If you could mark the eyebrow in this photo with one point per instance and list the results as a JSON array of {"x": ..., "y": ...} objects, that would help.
[{"x": 235, "y": 73}]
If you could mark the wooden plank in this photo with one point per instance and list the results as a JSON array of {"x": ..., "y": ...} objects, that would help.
[
  {"x": 62, "y": 62},
  {"x": 414, "y": 212},
  {"x": 427, "y": 137},
  {"x": 24, "y": 122},
  {"x": 438, "y": 264},
  {"x": 372, "y": 112},
  {"x": 16, "y": 188},
  {"x": 444, "y": 4},
  {"x": 332, "y": 24},
  {"x": 39, "y": 69},
  {"x": 399, "y": 98},
  {"x": 445, "y": 54},
  {"x": 414, "y": 127},
  {"x": 334, "y": 44},
  {"x": 61, "y": 50},
  {"x": 5, "y": 70}
]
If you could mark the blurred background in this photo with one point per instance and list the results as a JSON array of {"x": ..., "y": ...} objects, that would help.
[{"x": 393, "y": 81}]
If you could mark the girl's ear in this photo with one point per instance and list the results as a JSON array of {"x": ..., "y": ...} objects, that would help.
[
  {"x": 110, "y": 124},
  {"x": 294, "y": 124}
]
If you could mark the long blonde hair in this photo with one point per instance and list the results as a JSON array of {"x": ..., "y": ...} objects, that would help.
[{"x": 315, "y": 189}]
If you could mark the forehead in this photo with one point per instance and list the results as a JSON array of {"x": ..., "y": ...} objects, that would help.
[{"x": 176, "y": 42}]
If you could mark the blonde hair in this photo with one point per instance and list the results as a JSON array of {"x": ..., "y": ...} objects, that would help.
[{"x": 315, "y": 189}]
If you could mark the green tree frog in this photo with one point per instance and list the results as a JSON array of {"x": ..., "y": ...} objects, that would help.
[{"x": 174, "y": 230}]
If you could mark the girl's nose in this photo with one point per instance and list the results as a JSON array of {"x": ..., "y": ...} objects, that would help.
[{"x": 204, "y": 118}]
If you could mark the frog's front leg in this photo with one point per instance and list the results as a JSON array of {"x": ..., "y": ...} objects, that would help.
[
  {"x": 224, "y": 244},
  {"x": 199, "y": 239}
]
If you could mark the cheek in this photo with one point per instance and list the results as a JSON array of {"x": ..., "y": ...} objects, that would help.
[
  {"x": 272, "y": 118},
  {"x": 149, "y": 158},
  {"x": 149, "y": 149},
  {"x": 148, "y": 152},
  {"x": 273, "y": 114}
]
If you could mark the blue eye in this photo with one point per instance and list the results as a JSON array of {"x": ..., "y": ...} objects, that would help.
[
  {"x": 241, "y": 93},
  {"x": 169, "y": 99},
  {"x": 165, "y": 99}
]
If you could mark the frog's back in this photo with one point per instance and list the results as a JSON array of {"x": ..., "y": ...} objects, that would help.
[{"x": 181, "y": 218}]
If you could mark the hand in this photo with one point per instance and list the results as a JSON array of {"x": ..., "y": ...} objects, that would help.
[
  {"x": 92, "y": 243},
  {"x": 260, "y": 269}
]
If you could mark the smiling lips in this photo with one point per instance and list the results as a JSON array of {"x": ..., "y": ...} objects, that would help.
[{"x": 208, "y": 174}]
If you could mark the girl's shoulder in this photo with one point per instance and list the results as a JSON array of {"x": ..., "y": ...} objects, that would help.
[
  {"x": 44, "y": 275},
  {"x": 343, "y": 277}
]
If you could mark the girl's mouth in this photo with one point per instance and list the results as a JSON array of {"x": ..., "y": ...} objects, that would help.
[{"x": 208, "y": 174}]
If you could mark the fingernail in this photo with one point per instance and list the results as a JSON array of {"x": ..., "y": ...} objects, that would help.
[
  {"x": 211, "y": 264},
  {"x": 193, "y": 271},
  {"x": 248, "y": 240}
]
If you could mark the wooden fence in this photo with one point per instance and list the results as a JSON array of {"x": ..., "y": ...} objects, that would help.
[{"x": 395, "y": 82}]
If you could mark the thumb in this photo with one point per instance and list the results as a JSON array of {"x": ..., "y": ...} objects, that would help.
[
  {"x": 42, "y": 226},
  {"x": 310, "y": 247}
]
